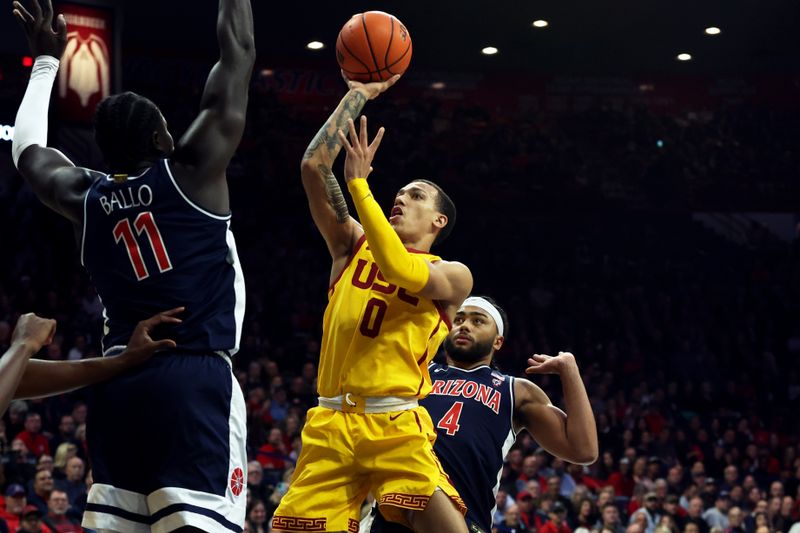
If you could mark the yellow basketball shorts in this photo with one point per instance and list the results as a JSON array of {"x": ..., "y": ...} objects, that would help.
[{"x": 347, "y": 455}]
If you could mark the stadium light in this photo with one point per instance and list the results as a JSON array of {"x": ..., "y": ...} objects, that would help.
[
  {"x": 489, "y": 51},
  {"x": 315, "y": 45},
  {"x": 438, "y": 85},
  {"x": 684, "y": 57},
  {"x": 713, "y": 30},
  {"x": 540, "y": 23}
]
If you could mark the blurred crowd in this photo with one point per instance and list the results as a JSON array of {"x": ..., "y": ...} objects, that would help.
[{"x": 578, "y": 224}]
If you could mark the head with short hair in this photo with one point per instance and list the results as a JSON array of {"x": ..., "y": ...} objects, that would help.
[
  {"x": 423, "y": 208},
  {"x": 33, "y": 423},
  {"x": 75, "y": 469},
  {"x": 130, "y": 129},
  {"x": 610, "y": 514},
  {"x": 475, "y": 334},
  {"x": 43, "y": 482},
  {"x": 58, "y": 502}
]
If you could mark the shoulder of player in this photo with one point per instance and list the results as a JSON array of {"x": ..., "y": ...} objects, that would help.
[{"x": 457, "y": 272}]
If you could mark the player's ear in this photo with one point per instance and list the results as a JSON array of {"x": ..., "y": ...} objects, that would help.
[
  {"x": 498, "y": 342},
  {"x": 440, "y": 221}
]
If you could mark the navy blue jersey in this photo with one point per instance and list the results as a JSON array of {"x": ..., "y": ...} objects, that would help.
[
  {"x": 148, "y": 248},
  {"x": 473, "y": 412}
]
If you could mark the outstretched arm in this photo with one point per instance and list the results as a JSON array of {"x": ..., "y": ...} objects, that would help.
[
  {"x": 325, "y": 198},
  {"x": 210, "y": 142},
  {"x": 449, "y": 282},
  {"x": 46, "y": 378},
  {"x": 53, "y": 177},
  {"x": 571, "y": 436}
]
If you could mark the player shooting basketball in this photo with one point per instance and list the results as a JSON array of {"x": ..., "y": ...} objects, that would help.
[{"x": 390, "y": 306}]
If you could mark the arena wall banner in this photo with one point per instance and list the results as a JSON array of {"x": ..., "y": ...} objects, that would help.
[{"x": 86, "y": 73}]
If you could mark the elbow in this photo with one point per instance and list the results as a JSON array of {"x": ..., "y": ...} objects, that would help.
[{"x": 586, "y": 456}]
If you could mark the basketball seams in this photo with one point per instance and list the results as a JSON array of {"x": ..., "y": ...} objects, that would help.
[
  {"x": 389, "y": 44},
  {"x": 369, "y": 43},
  {"x": 350, "y": 52}
]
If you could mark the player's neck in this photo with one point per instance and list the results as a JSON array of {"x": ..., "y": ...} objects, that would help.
[
  {"x": 487, "y": 361},
  {"x": 422, "y": 244}
]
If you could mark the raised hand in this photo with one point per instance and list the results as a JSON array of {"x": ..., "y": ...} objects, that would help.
[
  {"x": 33, "y": 332},
  {"x": 360, "y": 153},
  {"x": 373, "y": 89},
  {"x": 39, "y": 28},
  {"x": 141, "y": 345},
  {"x": 546, "y": 364}
]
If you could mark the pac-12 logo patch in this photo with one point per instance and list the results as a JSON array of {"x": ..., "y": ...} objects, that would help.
[{"x": 237, "y": 481}]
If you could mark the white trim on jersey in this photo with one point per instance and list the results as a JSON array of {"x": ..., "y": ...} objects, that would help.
[
  {"x": 119, "y": 348},
  {"x": 470, "y": 370},
  {"x": 188, "y": 201},
  {"x": 83, "y": 230},
  {"x": 238, "y": 287},
  {"x": 511, "y": 438}
]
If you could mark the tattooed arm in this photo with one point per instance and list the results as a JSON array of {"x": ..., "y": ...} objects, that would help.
[{"x": 325, "y": 198}]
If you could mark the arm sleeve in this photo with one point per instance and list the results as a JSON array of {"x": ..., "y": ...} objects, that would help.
[
  {"x": 30, "y": 127},
  {"x": 397, "y": 264}
]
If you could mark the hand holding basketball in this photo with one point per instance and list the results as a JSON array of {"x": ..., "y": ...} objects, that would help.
[
  {"x": 373, "y": 89},
  {"x": 39, "y": 28},
  {"x": 358, "y": 163}
]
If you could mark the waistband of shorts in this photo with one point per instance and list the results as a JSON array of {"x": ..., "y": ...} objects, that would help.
[{"x": 352, "y": 403}]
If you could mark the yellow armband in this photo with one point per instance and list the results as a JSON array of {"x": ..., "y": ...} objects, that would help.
[{"x": 397, "y": 264}]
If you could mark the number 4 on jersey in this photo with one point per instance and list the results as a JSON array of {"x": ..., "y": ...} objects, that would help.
[{"x": 449, "y": 421}]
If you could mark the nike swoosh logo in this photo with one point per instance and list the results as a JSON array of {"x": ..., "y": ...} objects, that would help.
[{"x": 393, "y": 418}]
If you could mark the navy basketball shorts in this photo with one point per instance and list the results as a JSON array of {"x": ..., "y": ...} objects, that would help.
[{"x": 167, "y": 448}]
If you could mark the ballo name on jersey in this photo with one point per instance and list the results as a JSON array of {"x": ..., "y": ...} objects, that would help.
[
  {"x": 127, "y": 198},
  {"x": 469, "y": 389}
]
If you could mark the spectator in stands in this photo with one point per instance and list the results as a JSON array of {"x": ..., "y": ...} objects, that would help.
[
  {"x": 42, "y": 487},
  {"x": 527, "y": 509},
  {"x": 717, "y": 516},
  {"x": 35, "y": 442},
  {"x": 64, "y": 452},
  {"x": 257, "y": 517},
  {"x": 66, "y": 432},
  {"x": 15, "y": 503},
  {"x": 74, "y": 484},
  {"x": 609, "y": 519},
  {"x": 56, "y": 518},
  {"x": 502, "y": 501},
  {"x": 31, "y": 521},
  {"x": 558, "y": 520},
  {"x": 735, "y": 521},
  {"x": 694, "y": 515},
  {"x": 511, "y": 522},
  {"x": 650, "y": 511}
]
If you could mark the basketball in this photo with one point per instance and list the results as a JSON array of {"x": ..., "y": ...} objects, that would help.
[{"x": 373, "y": 46}]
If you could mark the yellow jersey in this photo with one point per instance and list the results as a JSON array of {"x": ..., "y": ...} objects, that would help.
[{"x": 377, "y": 339}]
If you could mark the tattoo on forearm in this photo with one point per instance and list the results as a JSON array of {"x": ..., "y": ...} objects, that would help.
[
  {"x": 351, "y": 107},
  {"x": 335, "y": 196}
]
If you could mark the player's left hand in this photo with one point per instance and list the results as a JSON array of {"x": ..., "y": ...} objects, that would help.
[
  {"x": 141, "y": 346},
  {"x": 39, "y": 28},
  {"x": 358, "y": 163},
  {"x": 546, "y": 364}
]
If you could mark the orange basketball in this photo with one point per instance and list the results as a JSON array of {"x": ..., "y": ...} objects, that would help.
[{"x": 373, "y": 46}]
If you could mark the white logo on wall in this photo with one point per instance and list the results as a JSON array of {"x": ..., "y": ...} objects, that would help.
[
  {"x": 6, "y": 133},
  {"x": 85, "y": 68}
]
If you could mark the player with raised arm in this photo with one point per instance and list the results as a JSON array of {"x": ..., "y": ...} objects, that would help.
[
  {"x": 390, "y": 306},
  {"x": 166, "y": 441},
  {"x": 479, "y": 411}
]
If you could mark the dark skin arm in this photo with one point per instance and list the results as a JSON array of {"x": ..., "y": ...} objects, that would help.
[
  {"x": 30, "y": 334},
  {"x": 203, "y": 153},
  {"x": 46, "y": 378},
  {"x": 571, "y": 436},
  {"x": 55, "y": 180}
]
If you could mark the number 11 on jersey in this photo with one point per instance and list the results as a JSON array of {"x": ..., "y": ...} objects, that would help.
[{"x": 144, "y": 223}]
